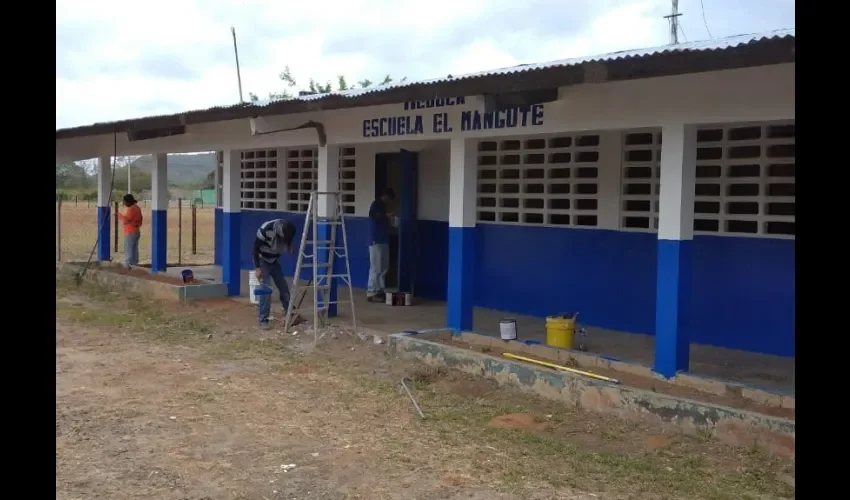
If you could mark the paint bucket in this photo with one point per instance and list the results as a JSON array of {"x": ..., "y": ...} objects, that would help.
[
  {"x": 253, "y": 285},
  {"x": 507, "y": 329},
  {"x": 408, "y": 299},
  {"x": 188, "y": 276},
  {"x": 388, "y": 298},
  {"x": 561, "y": 330}
]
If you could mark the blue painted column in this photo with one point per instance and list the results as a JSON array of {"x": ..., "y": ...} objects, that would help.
[
  {"x": 104, "y": 185},
  {"x": 159, "y": 213},
  {"x": 328, "y": 181},
  {"x": 460, "y": 293},
  {"x": 675, "y": 238},
  {"x": 231, "y": 223}
]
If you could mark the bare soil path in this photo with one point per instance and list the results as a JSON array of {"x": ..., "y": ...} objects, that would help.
[{"x": 191, "y": 402}]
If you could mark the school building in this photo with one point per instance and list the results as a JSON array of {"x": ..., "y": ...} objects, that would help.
[{"x": 652, "y": 190}]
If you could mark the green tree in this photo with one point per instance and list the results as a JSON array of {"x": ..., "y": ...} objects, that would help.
[{"x": 314, "y": 87}]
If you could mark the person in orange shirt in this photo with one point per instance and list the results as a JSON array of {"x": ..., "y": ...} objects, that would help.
[{"x": 132, "y": 220}]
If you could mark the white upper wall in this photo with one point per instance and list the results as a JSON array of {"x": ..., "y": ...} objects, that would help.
[{"x": 752, "y": 94}]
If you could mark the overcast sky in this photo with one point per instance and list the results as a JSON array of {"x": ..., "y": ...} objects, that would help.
[{"x": 117, "y": 60}]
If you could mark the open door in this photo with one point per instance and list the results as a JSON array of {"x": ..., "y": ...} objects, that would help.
[{"x": 407, "y": 203}]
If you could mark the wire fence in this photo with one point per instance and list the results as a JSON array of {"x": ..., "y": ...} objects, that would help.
[{"x": 190, "y": 237}]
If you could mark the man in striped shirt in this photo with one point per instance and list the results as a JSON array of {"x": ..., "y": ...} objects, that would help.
[{"x": 273, "y": 238}]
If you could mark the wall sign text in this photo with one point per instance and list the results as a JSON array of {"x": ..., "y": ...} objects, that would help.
[{"x": 442, "y": 123}]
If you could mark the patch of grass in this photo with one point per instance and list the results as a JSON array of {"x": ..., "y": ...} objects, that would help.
[{"x": 539, "y": 456}]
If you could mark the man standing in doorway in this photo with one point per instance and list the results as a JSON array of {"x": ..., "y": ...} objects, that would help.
[
  {"x": 379, "y": 246},
  {"x": 273, "y": 238}
]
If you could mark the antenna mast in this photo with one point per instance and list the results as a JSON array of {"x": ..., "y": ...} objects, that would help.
[
  {"x": 238, "y": 73},
  {"x": 674, "y": 22}
]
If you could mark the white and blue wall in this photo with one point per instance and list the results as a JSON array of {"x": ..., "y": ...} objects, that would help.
[{"x": 567, "y": 210}]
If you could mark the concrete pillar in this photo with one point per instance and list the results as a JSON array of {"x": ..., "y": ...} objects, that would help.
[
  {"x": 104, "y": 187},
  {"x": 231, "y": 224},
  {"x": 460, "y": 293},
  {"x": 159, "y": 213},
  {"x": 675, "y": 236},
  {"x": 328, "y": 181}
]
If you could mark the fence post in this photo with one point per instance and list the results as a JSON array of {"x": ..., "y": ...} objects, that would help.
[
  {"x": 194, "y": 229},
  {"x": 76, "y": 200},
  {"x": 115, "y": 226},
  {"x": 179, "y": 231},
  {"x": 59, "y": 230}
]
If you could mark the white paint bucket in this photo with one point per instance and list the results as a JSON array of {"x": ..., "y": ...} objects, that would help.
[
  {"x": 388, "y": 298},
  {"x": 507, "y": 329},
  {"x": 408, "y": 299},
  {"x": 253, "y": 283}
]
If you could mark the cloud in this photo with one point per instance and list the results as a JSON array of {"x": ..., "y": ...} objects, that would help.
[{"x": 118, "y": 60}]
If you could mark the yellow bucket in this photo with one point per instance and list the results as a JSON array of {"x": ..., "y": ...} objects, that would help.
[{"x": 561, "y": 330}]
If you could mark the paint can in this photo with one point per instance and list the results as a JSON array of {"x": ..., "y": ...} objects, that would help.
[
  {"x": 408, "y": 299},
  {"x": 507, "y": 329},
  {"x": 253, "y": 284},
  {"x": 188, "y": 276}
]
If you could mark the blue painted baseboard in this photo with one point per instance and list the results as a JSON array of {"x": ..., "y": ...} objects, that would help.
[
  {"x": 159, "y": 240},
  {"x": 672, "y": 300},
  {"x": 232, "y": 251},
  {"x": 461, "y": 274},
  {"x": 103, "y": 233}
]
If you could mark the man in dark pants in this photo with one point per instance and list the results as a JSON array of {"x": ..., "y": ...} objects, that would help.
[
  {"x": 273, "y": 238},
  {"x": 379, "y": 246}
]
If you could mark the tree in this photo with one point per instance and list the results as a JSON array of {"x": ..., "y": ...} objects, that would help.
[{"x": 313, "y": 87}]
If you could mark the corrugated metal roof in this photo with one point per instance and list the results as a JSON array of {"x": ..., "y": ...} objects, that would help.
[
  {"x": 702, "y": 46},
  {"x": 697, "y": 46}
]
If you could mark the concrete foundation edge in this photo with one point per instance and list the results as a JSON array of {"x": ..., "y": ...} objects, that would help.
[
  {"x": 590, "y": 361},
  {"x": 159, "y": 290},
  {"x": 729, "y": 425}
]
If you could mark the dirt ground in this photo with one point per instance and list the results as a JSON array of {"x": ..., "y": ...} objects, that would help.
[{"x": 164, "y": 401}]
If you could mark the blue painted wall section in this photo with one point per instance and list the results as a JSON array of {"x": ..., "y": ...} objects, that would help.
[
  {"x": 743, "y": 294},
  {"x": 324, "y": 234},
  {"x": 233, "y": 250},
  {"x": 159, "y": 244},
  {"x": 103, "y": 242},
  {"x": 672, "y": 301},
  {"x": 217, "y": 218},
  {"x": 461, "y": 290},
  {"x": 742, "y": 288}
]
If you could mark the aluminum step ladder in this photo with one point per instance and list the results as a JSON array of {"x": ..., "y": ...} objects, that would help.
[{"x": 320, "y": 252}]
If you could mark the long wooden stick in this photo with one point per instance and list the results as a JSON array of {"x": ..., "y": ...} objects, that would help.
[{"x": 561, "y": 367}]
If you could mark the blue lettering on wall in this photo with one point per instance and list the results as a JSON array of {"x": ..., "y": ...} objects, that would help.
[
  {"x": 393, "y": 126},
  {"x": 435, "y": 103},
  {"x": 521, "y": 116}
]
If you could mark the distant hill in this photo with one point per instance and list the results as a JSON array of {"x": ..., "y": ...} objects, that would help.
[{"x": 183, "y": 169}]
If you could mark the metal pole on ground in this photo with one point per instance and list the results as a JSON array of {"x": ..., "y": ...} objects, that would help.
[
  {"x": 59, "y": 230},
  {"x": 179, "y": 231},
  {"x": 115, "y": 226},
  {"x": 194, "y": 229}
]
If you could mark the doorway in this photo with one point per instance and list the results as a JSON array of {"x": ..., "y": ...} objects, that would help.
[{"x": 400, "y": 172}]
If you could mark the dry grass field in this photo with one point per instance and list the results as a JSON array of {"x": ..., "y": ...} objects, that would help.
[{"x": 77, "y": 229}]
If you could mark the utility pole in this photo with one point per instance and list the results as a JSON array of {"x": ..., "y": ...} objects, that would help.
[
  {"x": 238, "y": 73},
  {"x": 129, "y": 178},
  {"x": 674, "y": 22}
]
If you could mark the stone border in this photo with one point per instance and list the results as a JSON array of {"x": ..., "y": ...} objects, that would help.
[
  {"x": 589, "y": 361},
  {"x": 729, "y": 425},
  {"x": 156, "y": 289}
]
